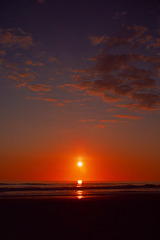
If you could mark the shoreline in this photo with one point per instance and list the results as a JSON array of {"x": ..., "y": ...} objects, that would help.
[{"x": 82, "y": 196}]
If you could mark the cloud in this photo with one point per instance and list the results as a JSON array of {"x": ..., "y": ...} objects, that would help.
[
  {"x": 138, "y": 107},
  {"x": 156, "y": 44},
  {"x": 54, "y": 59},
  {"x": 109, "y": 121},
  {"x": 30, "y": 62},
  {"x": 82, "y": 120},
  {"x": 95, "y": 40},
  {"x": 100, "y": 126},
  {"x": 11, "y": 65},
  {"x": 131, "y": 36},
  {"x": 40, "y": 87},
  {"x": 87, "y": 120},
  {"x": 22, "y": 78},
  {"x": 129, "y": 76},
  {"x": 2, "y": 52},
  {"x": 61, "y": 104},
  {"x": 52, "y": 79},
  {"x": 50, "y": 99},
  {"x": 110, "y": 110},
  {"x": 127, "y": 116},
  {"x": 147, "y": 99},
  {"x": 15, "y": 37},
  {"x": 111, "y": 98}
]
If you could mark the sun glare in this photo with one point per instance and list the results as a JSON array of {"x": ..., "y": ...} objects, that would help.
[
  {"x": 79, "y": 182},
  {"x": 79, "y": 164}
]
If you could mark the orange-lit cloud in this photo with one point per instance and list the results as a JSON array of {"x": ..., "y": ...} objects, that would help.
[
  {"x": 15, "y": 37},
  {"x": 40, "y": 87},
  {"x": 156, "y": 44},
  {"x": 86, "y": 120},
  {"x": 60, "y": 104},
  {"x": 109, "y": 121},
  {"x": 53, "y": 59},
  {"x": 110, "y": 110},
  {"x": 50, "y": 99},
  {"x": 22, "y": 78},
  {"x": 117, "y": 78},
  {"x": 123, "y": 77},
  {"x": 100, "y": 126},
  {"x": 30, "y": 62},
  {"x": 82, "y": 120},
  {"x": 2, "y": 52},
  {"x": 137, "y": 107},
  {"x": 95, "y": 40},
  {"x": 127, "y": 116},
  {"x": 11, "y": 65}
]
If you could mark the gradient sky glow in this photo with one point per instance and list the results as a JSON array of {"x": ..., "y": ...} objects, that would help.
[{"x": 80, "y": 79}]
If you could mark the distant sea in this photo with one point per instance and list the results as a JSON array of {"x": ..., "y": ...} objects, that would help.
[{"x": 73, "y": 189}]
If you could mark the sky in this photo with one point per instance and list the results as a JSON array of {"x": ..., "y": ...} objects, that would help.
[{"x": 80, "y": 79}]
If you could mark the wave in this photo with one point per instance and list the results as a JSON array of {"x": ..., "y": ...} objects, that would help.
[{"x": 61, "y": 187}]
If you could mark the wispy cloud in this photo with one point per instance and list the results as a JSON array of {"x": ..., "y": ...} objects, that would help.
[
  {"x": 127, "y": 116},
  {"x": 53, "y": 59},
  {"x": 50, "y": 99},
  {"x": 22, "y": 78},
  {"x": 82, "y": 120},
  {"x": 10, "y": 66},
  {"x": 15, "y": 37},
  {"x": 100, "y": 126},
  {"x": 61, "y": 104},
  {"x": 2, "y": 52},
  {"x": 40, "y": 87},
  {"x": 109, "y": 121},
  {"x": 110, "y": 109},
  {"x": 31, "y": 63},
  {"x": 95, "y": 40}
]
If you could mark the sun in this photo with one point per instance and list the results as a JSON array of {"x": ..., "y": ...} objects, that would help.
[
  {"x": 80, "y": 164},
  {"x": 79, "y": 182}
]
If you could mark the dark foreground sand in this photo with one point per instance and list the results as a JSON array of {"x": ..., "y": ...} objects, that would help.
[{"x": 133, "y": 216}]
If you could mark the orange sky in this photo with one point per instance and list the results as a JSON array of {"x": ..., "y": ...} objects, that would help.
[
  {"x": 125, "y": 158},
  {"x": 80, "y": 81}
]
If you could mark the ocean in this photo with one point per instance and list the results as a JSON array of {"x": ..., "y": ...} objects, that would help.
[
  {"x": 73, "y": 189},
  {"x": 84, "y": 211}
]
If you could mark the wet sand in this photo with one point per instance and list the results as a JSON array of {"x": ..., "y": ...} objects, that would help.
[{"x": 125, "y": 216}]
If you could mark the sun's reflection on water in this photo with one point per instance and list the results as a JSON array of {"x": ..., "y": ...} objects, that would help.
[
  {"x": 79, "y": 193},
  {"x": 79, "y": 182}
]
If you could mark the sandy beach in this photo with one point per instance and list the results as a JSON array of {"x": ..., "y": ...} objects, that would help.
[{"x": 125, "y": 216}]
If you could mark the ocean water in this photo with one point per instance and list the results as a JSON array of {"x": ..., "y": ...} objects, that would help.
[{"x": 73, "y": 189}]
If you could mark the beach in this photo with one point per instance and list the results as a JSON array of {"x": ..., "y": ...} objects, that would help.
[{"x": 121, "y": 216}]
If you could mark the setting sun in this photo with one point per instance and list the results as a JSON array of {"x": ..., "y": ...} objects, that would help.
[
  {"x": 79, "y": 182},
  {"x": 79, "y": 164}
]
